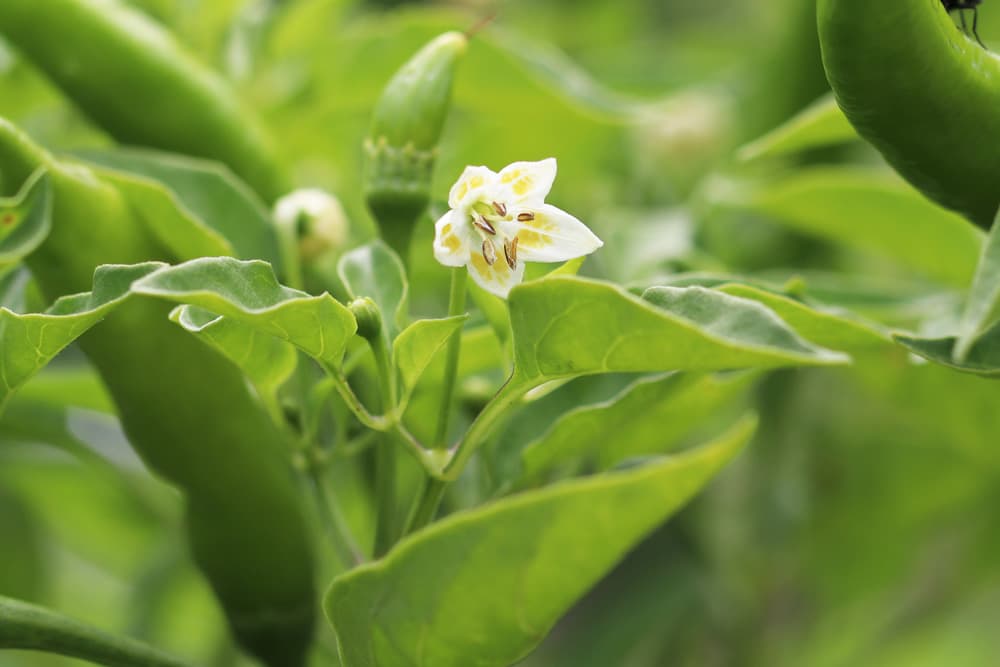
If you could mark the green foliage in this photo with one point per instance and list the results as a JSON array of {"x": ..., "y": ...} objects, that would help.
[{"x": 485, "y": 586}]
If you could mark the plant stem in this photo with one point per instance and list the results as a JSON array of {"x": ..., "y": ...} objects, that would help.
[
  {"x": 385, "y": 453},
  {"x": 27, "y": 627},
  {"x": 456, "y": 306},
  {"x": 480, "y": 429},
  {"x": 334, "y": 525}
]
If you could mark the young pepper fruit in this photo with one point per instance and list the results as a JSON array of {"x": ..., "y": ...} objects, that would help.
[{"x": 402, "y": 143}]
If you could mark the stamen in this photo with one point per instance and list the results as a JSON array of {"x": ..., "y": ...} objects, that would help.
[
  {"x": 525, "y": 217},
  {"x": 501, "y": 209},
  {"x": 489, "y": 252},
  {"x": 510, "y": 253},
  {"x": 484, "y": 224}
]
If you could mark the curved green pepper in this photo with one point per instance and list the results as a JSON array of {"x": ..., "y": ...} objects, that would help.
[
  {"x": 133, "y": 80},
  {"x": 925, "y": 95},
  {"x": 187, "y": 411}
]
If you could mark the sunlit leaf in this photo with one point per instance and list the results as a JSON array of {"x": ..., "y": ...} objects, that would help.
[
  {"x": 483, "y": 587},
  {"x": 568, "y": 326},
  {"x": 415, "y": 348},
  {"x": 826, "y": 327},
  {"x": 248, "y": 291}
]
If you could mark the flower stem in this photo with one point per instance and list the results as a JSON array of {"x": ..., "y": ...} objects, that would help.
[
  {"x": 456, "y": 306},
  {"x": 28, "y": 627}
]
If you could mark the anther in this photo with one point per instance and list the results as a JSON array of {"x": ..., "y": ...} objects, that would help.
[
  {"x": 525, "y": 217},
  {"x": 484, "y": 224},
  {"x": 489, "y": 252},
  {"x": 510, "y": 252},
  {"x": 501, "y": 209}
]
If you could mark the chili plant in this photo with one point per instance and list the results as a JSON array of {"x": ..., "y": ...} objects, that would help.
[{"x": 411, "y": 411}]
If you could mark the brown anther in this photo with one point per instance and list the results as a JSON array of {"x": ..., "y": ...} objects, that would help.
[
  {"x": 489, "y": 252},
  {"x": 484, "y": 224},
  {"x": 525, "y": 217},
  {"x": 510, "y": 252},
  {"x": 501, "y": 209}
]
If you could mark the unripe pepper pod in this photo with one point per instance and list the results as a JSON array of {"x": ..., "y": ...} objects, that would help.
[
  {"x": 402, "y": 144},
  {"x": 925, "y": 95}
]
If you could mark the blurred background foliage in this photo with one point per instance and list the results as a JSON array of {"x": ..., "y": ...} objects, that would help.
[{"x": 859, "y": 529}]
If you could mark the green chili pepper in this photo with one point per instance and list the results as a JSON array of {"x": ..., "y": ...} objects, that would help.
[
  {"x": 188, "y": 413},
  {"x": 402, "y": 144},
  {"x": 925, "y": 95},
  {"x": 133, "y": 80}
]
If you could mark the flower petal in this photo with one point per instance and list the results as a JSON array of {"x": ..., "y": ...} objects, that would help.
[
  {"x": 524, "y": 182},
  {"x": 499, "y": 278},
  {"x": 470, "y": 185},
  {"x": 550, "y": 235},
  {"x": 452, "y": 244}
]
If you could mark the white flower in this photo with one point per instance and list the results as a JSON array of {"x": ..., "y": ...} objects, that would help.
[{"x": 499, "y": 221}]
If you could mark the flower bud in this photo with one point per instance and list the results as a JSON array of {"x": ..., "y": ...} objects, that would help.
[
  {"x": 314, "y": 220},
  {"x": 402, "y": 144},
  {"x": 368, "y": 317}
]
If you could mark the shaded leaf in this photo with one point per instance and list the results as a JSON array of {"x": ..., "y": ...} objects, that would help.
[
  {"x": 375, "y": 271},
  {"x": 266, "y": 361},
  {"x": 871, "y": 210},
  {"x": 982, "y": 358},
  {"x": 207, "y": 191},
  {"x": 983, "y": 307},
  {"x": 29, "y": 341},
  {"x": 649, "y": 416},
  {"x": 483, "y": 587},
  {"x": 25, "y": 219},
  {"x": 818, "y": 125}
]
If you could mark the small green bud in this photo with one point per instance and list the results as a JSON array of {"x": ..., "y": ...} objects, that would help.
[
  {"x": 368, "y": 317},
  {"x": 402, "y": 145}
]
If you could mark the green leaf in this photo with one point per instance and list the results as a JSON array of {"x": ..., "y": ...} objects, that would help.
[
  {"x": 25, "y": 220},
  {"x": 206, "y": 191},
  {"x": 267, "y": 361},
  {"x": 25, "y": 626},
  {"x": 982, "y": 358},
  {"x": 983, "y": 307},
  {"x": 649, "y": 416},
  {"x": 567, "y": 326},
  {"x": 248, "y": 291},
  {"x": 415, "y": 348},
  {"x": 872, "y": 210},
  {"x": 819, "y": 125},
  {"x": 375, "y": 271},
  {"x": 29, "y": 341},
  {"x": 827, "y": 327},
  {"x": 184, "y": 235},
  {"x": 483, "y": 587}
]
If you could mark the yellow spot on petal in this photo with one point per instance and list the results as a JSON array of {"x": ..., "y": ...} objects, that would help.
[
  {"x": 522, "y": 186},
  {"x": 511, "y": 176},
  {"x": 463, "y": 189},
  {"x": 535, "y": 233},
  {"x": 476, "y": 181},
  {"x": 451, "y": 242}
]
